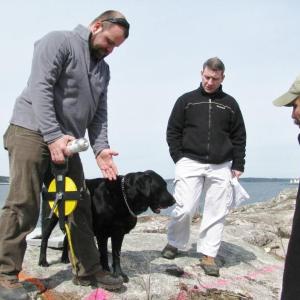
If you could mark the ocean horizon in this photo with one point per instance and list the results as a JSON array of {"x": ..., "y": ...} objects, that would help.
[{"x": 259, "y": 189}]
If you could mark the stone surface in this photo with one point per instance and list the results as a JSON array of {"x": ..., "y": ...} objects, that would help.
[
  {"x": 251, "y": 259},
  {"x": 56, "y": 240}
]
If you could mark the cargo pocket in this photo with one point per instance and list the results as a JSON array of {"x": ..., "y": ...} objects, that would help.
[{"x": 5, "y": 136}]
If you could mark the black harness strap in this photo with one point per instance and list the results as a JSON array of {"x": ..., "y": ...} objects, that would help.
[{"x": 59, "y": 172}]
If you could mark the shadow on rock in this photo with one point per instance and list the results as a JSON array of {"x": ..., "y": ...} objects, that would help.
[
  {"x": 231, "y": 255},
  {"x": 136, "y": 263},
  {"x": 56, "y": 279}
]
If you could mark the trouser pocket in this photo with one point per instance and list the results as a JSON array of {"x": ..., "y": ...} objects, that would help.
[{"x": 5, "y": 136}]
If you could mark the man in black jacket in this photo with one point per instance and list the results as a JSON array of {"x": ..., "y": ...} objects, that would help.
[
  {"x": 207, "y": 139},
  {"x": 290, "y": 286}
]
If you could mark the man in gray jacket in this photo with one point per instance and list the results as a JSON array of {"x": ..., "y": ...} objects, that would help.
[{"x": 66, "y": 95}]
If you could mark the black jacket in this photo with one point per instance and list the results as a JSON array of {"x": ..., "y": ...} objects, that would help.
[{"x": 208, "y": 128}]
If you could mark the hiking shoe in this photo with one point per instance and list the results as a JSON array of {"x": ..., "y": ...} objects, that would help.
[
  {"x": 12, "y": 289},
  {"x": 102, "y": 279},
  {"x": 169, "y": 252},
  {"x": 209, "y": 266}
]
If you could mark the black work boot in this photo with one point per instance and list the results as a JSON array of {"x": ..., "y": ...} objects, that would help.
[
  {"x": 102, "y": 279},
  {"x": 12, "y": 289}
]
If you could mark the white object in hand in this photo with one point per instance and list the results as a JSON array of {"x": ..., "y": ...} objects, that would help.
[{"x": 78, "y": 145}]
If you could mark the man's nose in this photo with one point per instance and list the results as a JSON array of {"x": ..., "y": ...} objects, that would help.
[{"x": 293, "y": 114}]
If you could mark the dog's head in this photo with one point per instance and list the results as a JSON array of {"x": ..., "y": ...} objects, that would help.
[{"x": 147, "y": 189}]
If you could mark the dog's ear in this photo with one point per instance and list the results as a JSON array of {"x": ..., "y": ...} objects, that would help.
[{"x": 144, "y": 184}]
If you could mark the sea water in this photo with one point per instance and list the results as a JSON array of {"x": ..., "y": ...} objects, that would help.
[{"x": 259, "y": 189}]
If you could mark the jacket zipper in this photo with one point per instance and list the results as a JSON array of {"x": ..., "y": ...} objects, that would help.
[{"x": 209, "y": 128}]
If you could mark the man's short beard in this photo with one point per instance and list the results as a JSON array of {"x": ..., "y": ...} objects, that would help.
[
  {"x": 95, "y": 51},
  {"x": 297, "y": 122}
]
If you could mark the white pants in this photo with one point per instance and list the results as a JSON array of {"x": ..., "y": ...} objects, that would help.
[{"x": 191, "y": 179}]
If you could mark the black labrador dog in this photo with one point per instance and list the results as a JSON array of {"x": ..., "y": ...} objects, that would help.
[{"x": 115, "y": 206}]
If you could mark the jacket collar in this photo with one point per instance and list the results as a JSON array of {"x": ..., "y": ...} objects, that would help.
[
  {"x": 216, "y": 94},
  {"x": 83, "y": 32}
]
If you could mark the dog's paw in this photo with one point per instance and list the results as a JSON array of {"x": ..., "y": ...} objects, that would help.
[
  {"x": 65, "y": 260},
  {"x": 121, "y": 274},
  {"x": 125, "y": 277},
  {"x": 43, "y": 263}
]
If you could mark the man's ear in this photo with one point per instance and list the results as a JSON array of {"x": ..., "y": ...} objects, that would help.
[{"x": 96, "y": 26}]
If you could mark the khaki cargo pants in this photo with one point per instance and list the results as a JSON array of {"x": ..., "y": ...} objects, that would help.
[{"x": 29, "y": 161}]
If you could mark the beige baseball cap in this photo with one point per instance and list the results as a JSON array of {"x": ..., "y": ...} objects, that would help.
[{"x": 287, "y": 98}]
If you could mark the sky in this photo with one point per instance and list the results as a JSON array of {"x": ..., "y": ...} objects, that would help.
[{"x": 258, "y": 41}]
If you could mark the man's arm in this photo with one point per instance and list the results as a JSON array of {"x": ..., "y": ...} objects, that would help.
[
  {"x": 175, "y": 130},
  {"x": 238, "y": 139},
  {"x": 49, "y": 57},
  {"x": 97, "y": 131}
]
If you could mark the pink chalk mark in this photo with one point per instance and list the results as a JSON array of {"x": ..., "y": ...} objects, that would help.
[
  {"x": 250, "y": 275},
  {"x": 98, "y": 294},
  {"x": 182, "y": 295}
]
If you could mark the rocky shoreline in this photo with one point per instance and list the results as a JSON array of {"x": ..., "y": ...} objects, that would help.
[{"x": 251, "y": 259}]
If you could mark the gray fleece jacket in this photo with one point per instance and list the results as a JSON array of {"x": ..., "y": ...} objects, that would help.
[{"x": 67, "y": 90}]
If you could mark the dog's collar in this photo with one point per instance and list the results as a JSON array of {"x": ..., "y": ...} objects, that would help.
[{"x": 125, "y": 197}]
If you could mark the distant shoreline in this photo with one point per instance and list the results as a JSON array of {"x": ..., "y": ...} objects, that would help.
[
  {"x": 258, "y": 179},
  {"x": 5, "y": 179}
]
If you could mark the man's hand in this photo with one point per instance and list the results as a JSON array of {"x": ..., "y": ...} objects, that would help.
[
  {"x": 107, "y": 166},
  {"x": 236, "y": 173},
  {"x": 58, "y": 149}
]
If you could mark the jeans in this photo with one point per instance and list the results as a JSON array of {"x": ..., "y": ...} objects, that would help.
[{"x": 29, "y": 163}]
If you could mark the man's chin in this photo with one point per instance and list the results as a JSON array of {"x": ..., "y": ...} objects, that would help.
[
  {"x": 98, "y": 55},
  {"x": 297, "y": 123},
  {"x": 209, "y": 91}
]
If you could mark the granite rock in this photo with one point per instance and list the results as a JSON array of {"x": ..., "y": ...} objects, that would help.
[{"x": 251, "y": 259}]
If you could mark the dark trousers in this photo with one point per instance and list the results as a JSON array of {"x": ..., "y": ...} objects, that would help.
[
  {"x": 29, "y": 161},
  {"x": 291, "y": 282}
]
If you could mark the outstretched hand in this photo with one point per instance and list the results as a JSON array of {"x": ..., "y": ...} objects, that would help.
[{"x": 106, "y": 164}]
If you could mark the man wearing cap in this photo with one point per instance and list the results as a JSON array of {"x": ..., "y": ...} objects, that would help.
[
  {"x": 290, "y": 285},
  {"x": 66, "y": 95}
]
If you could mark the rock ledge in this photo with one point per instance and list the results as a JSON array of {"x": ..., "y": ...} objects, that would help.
[{"x": 251, "y": 256}]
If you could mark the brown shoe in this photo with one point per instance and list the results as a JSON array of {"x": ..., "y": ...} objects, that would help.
[
  {"x": 102, "y": 279},
  {"x": 209, "y": 266},
  {"x": 169, "y": 252},
  {"x": 12, "y": 289},
  {"x": 107, "y": 281}
]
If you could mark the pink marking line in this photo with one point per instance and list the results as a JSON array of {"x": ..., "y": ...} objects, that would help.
[
  {"x": 98, "y": 294},
  {"x": 251, "y": 275}
]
